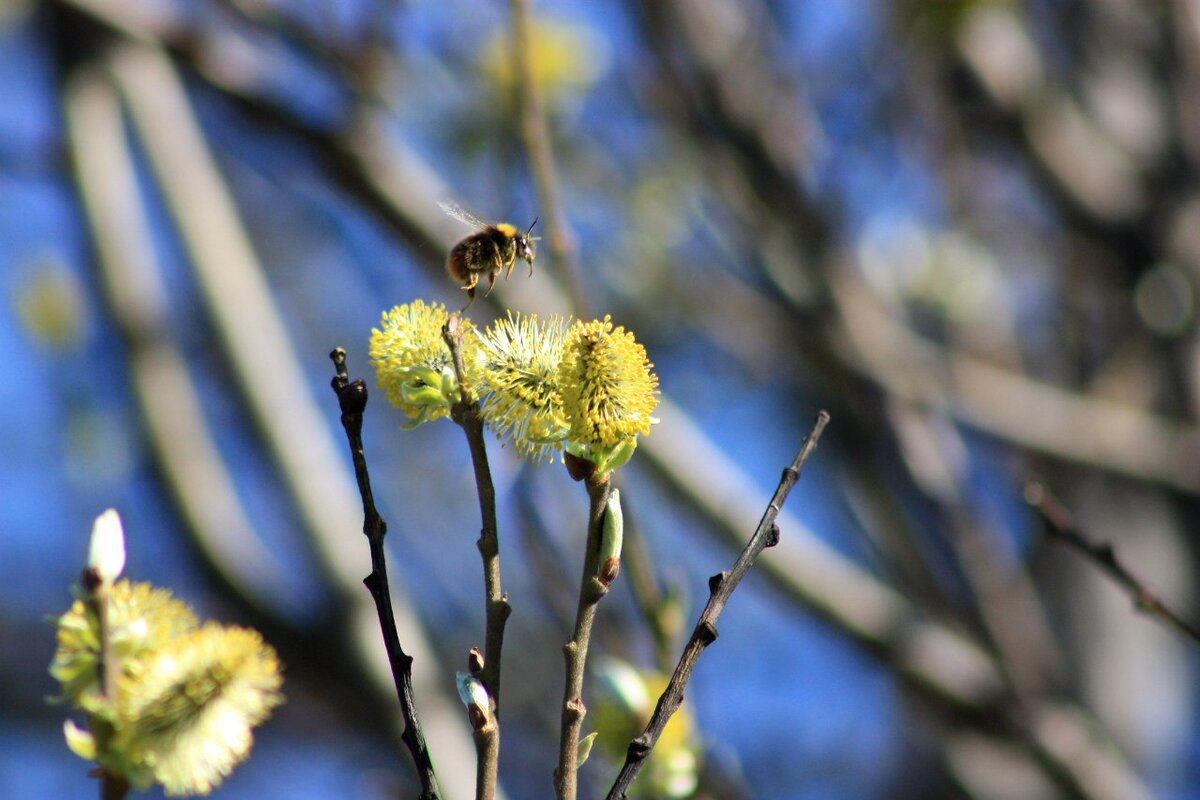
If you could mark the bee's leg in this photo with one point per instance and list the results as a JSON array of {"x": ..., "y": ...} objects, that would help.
[
  {"x": 469, "y": 288},
  {"x": 497, "y": 259},
  {"x": 491, "y": 283},
  {"x": 470, "y": 297},
  {"x": 531, "y": 269}
]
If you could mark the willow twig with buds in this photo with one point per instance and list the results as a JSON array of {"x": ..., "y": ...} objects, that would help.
[
  {"x": 465, "y": 411},
  {"x": 592, "y": 589},
  {"x": 721, "y": 587},
  {"x": 352, "y": 399}
]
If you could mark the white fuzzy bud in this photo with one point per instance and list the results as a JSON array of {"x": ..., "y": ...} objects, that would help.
[{"x": 106, "y": 552}]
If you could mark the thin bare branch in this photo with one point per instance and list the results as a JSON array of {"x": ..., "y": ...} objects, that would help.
[
  {"x": 1060, "y": 526},
  {"x": 721, "y": 587},
  {"x": 536, "y": 133},
  {"x": 496, "y": 608},
  {"x": 352, "y": 400},
  {"x": 575, "y": 652}
]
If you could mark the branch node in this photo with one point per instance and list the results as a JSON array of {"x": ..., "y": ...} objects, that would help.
[
  {"x": 596, "y": 589},
  {"x": 1145, "y": 601},
  {"x": 714, "y": 583},
  {"x": 479, "y": 718},
  {"x": 706, "y": 632}
]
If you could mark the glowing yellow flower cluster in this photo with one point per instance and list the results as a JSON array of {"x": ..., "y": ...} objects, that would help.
[
  {"x": 587, "y": 388},
  {"x": 196, "y": 703},
  {"x": 607, "y": 384},
  {"x": 187, "y": 696},
  {"x": 412, "y": 362},
  {"x": 544, "y": 385},
  {"x": 517, "y": 363}
]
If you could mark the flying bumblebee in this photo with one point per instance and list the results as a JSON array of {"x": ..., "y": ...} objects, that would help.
[{"x": 491, "y": 249}]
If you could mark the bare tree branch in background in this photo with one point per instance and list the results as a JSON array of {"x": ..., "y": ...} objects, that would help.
[{"x": 1061, "y": 527}]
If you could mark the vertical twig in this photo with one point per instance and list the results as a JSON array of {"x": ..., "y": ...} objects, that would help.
[
  {"x": 536, "y": 134},
  {"x": 112, "y": 787},
  {"x": 575, "y": 652},
  {"x": 466, "y": 413},
  {"x": 352, "y": 400},
  {"x": 720, "y": 587},
  {"x": 487, "y": 762}
]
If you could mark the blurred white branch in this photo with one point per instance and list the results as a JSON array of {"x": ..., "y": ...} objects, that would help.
[
  {"x": 1012, "y": 406},
  {"x": 269, "y": 377},
  {"x": 178, "y": 432}
]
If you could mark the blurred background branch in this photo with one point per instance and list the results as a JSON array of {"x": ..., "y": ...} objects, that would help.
[{"x": 967, "y": 229}]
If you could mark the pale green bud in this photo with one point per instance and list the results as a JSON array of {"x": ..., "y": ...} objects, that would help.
[{"x": 611, "y": 539}]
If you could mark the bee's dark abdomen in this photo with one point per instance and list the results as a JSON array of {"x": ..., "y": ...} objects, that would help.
[{"x": 485, "y": 252}]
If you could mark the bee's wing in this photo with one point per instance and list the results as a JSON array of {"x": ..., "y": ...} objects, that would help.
[{"x": 461, "y": 214}]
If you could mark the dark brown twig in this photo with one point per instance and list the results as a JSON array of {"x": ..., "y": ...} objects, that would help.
[
  {"x": 465, "y": 412},
  {"x": 1061, "y": 526},
  {"x": 721, "y": 587},
  {"x": 352, "y": 400}
]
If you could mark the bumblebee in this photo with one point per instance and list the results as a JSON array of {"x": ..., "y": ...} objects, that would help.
[{"x": 491, "y": 249}]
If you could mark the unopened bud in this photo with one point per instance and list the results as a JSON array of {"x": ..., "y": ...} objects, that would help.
[
  {"x": 475, "y": 697},
  {"x": 612, "y": 537},
  {"x": 106, "y": 551},
  {"x": 475, "y": 661}
]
